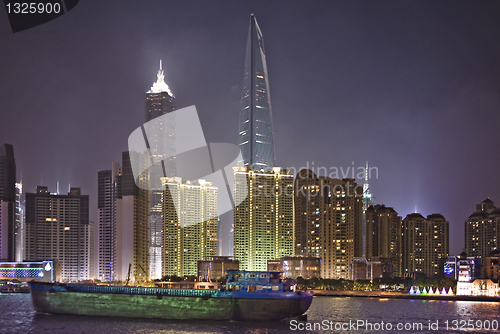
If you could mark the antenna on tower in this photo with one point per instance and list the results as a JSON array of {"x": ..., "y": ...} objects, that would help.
[
  {"x": 160, "y": 65},
  {"x": 57, "y": 188}
]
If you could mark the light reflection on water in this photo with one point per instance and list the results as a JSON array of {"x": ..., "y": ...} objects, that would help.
[{"x": 17, "y": 316}]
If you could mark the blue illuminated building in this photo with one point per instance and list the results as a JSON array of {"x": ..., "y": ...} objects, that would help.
[{"x": 44, "y": 271}]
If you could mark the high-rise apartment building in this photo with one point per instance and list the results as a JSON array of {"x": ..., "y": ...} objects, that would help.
[
  {"x": 328, "y": 221},
  {"x": 58, "y": 229},
  {"x": 256, "y": 134},
  {"x": 263, "y": 221},
  {"x": 7, "y": 203},
  {"x": 107, "y": 188},
  {"x": 123, "y": 228},
  {"x": 425, "y": 244},
  {"x": 383, "y": 235},
  {"x": 132, "y": 228},
  {"x": 159, "y": 101},
  {"x": 189, "y": 225},
  {"x": 482, "y": 230}
]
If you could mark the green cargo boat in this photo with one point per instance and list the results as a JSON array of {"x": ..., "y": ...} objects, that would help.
[{"x": 249, "y": 296}]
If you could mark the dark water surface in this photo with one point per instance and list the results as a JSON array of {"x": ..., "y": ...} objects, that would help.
[{"x": 328, "y": 314}]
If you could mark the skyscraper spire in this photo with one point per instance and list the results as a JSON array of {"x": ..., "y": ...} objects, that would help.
[
  {"x": 256, "y": 134},
  {"x": 160, "y": 86}
]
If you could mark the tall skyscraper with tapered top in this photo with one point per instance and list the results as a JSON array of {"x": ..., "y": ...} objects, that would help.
[
  {"x": 159, "y": 101},
  {"x": 263, "y": 221},
  {"x": 255, "y": 137}
]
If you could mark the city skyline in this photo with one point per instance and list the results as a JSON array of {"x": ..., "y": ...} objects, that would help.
[{"x": 417, "y": 94}]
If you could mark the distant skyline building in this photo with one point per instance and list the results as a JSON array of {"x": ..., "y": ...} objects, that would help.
[
  {"x": 108, "y": 182},
  {"x": 189, "y": 225},
  {"x": 482, "y": 230},
  {"x": 256, "y": 133},
  {"x": 159, "y": 101},
  {"x": 328, "y": 222},
  {"x": 58, "y": 229},
  {"x": 383, "y": 235},
  {"x": 425, "y": 244},
  {"x": 263, "y": 221},
  {"x": 367, "y": 202},
  {"x": 7, "y": 203}
]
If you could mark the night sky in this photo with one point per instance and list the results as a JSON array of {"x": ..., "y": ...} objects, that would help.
[{"x": 412, "y": 87}]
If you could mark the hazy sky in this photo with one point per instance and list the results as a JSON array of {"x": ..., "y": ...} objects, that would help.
[{"x": 413, "y": 87}]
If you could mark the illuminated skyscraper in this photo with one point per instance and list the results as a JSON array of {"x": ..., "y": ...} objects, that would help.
[
  {"x": 263, "y": 221},
  {"x": 189, "y": 225},
  {"x": 328, "y": 221},
  {"x": 58, "y": 229},
  {"x": 7, "y": 202},
  {"x": 256, "y": 133},
  {"x": 159, "y": 101}
]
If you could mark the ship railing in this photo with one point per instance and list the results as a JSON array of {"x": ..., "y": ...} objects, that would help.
[{"x": 128, "y": 290}]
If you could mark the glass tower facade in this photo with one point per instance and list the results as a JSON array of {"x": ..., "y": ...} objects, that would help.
[
  {"x": 159, "y": 101},
  {"x": 255, "y": 137}
]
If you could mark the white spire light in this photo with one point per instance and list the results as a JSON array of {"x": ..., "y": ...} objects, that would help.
[{"x": 160, "y": 86}]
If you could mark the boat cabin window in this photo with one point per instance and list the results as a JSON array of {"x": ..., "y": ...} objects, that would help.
[
  {"x": 263, "y": 275},
  {"x": 252, "y": 276}
]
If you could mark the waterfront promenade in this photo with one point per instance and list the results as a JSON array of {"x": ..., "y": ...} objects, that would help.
[{"x": 400, "y": 295}]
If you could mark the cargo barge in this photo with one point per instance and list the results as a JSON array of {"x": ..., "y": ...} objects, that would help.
[{"x": 248, "y": 296}]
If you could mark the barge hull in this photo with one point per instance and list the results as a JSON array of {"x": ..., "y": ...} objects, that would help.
[{"x": 217, "y": 307}]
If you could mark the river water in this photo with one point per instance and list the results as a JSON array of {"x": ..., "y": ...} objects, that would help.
[{"x": 326, "y": 315}]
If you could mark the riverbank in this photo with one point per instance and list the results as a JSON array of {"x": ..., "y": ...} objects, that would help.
[{"x": 399, "y": 295}]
